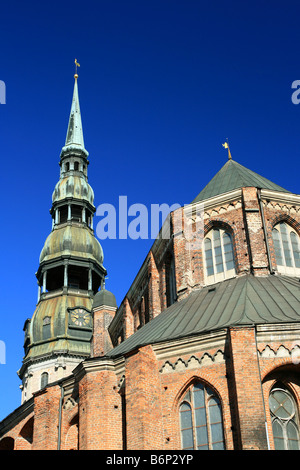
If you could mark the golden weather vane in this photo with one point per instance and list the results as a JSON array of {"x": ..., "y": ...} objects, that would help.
[
  {"x": 76, "y": 65},
  {"x": 226, "y": 146}
]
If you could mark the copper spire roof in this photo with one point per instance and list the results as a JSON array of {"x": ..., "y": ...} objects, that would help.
[{"x": 74, "y": 137}]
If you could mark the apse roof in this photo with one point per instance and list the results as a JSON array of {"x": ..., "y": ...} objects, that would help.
[
  {"x": 233, "y": 175},
  {"x": 244, "y": 300}
]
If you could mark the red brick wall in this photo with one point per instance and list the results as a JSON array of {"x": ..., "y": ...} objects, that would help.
[
  {"x": 143, "y": 401},
  {"x": 46, "y": 418},
  {"x": 100, "y": 412},
  {"x": 101, "y": 341},
  {"x": 248, "y": 390},
  {"x": 174, "y": 386},
  {"x": 152, "y": 399},
  {"x": 20, "y": 436}
]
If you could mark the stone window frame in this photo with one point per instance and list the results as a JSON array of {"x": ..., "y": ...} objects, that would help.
[
  {"x": 44, "y": 380},
  {"x": 282, "y": 420},
  {"x": 283, "y": 268},
  {"x": 188, "y": 402},
  {"x": 225, "y": 273}
]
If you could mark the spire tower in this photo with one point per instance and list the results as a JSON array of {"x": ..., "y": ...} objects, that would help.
[
  {"x": 74, "y": 136},
  {"x": 70, "y": 272}
]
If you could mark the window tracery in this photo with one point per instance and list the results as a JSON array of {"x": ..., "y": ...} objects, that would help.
[
  {"x": 201, "y": 419},
  {"x": 219, "y": 255}
]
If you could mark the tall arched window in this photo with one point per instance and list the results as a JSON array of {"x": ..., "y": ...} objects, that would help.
[
  {"x": 219, "y": 256},
  {"x": 44, "y": 379},
  {"x": 287, "y": 249},
  {"x": 285, "y": 419},
  {"x": 171, "y": 283},
  {"x": 201, "y": 420}
]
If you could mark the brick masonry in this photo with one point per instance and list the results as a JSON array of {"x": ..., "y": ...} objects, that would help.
[{"x": 133, "y": 402}]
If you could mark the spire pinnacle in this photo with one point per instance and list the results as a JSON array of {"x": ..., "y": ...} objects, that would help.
[{"x": 226, "y": 146}]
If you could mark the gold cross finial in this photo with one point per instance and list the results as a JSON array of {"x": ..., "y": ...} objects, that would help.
[
  {"x": 226, "y": 146},
  {"x": 76, "y": 65}
]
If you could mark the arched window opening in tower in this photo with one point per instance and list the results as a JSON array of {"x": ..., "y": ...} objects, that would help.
[
  {"x": 44, "y": 379},
  {"x": 78, "y": 277},
  {"x": 55, "y": 278},
  {"x": 63, "y": 214},
  {"x": 76, "y": 213}
]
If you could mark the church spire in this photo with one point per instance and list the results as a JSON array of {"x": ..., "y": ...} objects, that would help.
[
  {"x": 75, "y": 133},
  {"x": 74, "y": 137},
  {"x": 70, "y": 270}
]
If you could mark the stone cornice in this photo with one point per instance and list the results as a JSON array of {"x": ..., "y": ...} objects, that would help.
[
  {"x": 278, "y": 332},
  {"x": 98, "y": 364},
  {"x": 190, "y": 344},
  {"x": 218, "y": 200},
  {"x": 287, "y": 198}
]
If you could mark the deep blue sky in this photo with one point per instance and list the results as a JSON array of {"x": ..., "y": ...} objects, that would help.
[{"x": 162, "y": 84}]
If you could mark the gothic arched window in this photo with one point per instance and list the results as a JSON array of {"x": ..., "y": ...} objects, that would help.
[
  {"x": 171, "y": 283},
  {"x": 219, "y": 256},
  {"x": 201, "y": 420},
  {"x": 285, "y": 419},
  {"x": 44, "y": 379},
  {"x": 287, "y": 249}
]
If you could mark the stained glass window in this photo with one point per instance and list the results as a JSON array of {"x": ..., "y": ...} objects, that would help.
[
  {"x": 285, "y": 421},
  {"x": 219, "y": 256},
  {"x": 201, "y": 420},
  {"x": 287, "y": 248}
]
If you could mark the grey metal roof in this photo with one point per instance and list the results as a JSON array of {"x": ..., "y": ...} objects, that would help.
[
  {"x": 241, "y": 301},
  {"x": 233, "y": 176},
  {"x": 104, "y": 297}
]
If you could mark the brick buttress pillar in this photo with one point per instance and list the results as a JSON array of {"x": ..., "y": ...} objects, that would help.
[
  {"x": 128, "y": 326},
  {"x": 143, "y": 401},
  {"x": 101, "y": 341},
  {"x": 100, "y": 408},
  {"x": 255, "y": 233},
  {"x": 246, "y": 382},
  {"x": 46, "y": 419},
  {"x": 154, "y": 297}
]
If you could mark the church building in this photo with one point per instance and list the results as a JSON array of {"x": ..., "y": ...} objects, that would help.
[{"x": 203, "y": 353}]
